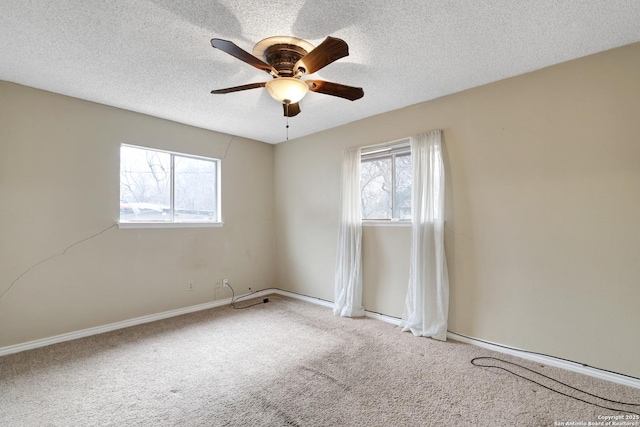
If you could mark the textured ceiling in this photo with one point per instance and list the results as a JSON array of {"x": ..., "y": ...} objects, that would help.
[{"x": 155, "y": 57}]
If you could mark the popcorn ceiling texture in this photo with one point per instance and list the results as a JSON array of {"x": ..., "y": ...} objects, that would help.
[{"x": 155, "y": 57}]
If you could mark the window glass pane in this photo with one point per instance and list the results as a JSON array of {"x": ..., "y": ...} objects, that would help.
[
  {"x": 195, "y": 189},
  {"x": 145, "y": 185},
  {"x": 375, "y": 188},
  {"x": 402, "y": 208}
]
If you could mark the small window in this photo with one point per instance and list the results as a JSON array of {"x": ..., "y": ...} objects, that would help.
[
  {"x": 385, "y": 182},
  {"x": 164, "y": 187}
]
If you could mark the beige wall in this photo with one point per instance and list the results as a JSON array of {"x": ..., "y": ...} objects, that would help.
[
  {"x": 59, "y": 183},
  {"x": 542, "y": 211},
  {"x": 543, "y": 237}
]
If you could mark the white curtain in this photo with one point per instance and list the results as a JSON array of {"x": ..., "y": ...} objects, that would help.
[
  {"x": 427, "y": 303},
  {"x": 348, "y": 279}
]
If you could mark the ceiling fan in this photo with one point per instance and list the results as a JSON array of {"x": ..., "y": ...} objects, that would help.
[{"x": 287, "y": 59}]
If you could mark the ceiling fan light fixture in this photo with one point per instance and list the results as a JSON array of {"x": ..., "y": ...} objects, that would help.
[{"x": 287, "y": 90}]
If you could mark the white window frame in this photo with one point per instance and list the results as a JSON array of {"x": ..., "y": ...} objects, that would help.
[
  {"x": 172, "y": 223},
  {"x": 387, "y": 149}
]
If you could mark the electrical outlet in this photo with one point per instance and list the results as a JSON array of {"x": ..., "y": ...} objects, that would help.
[
  {"x": 190, "y": 286},
  {"x": 225, "y": 283},
  {"x": 218, "y": 284}
]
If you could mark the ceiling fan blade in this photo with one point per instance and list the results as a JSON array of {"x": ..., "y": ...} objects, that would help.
[
  {"x": 291, "y": 110},
  {"x": 239, "y": 88},
  {"x": 325, "y": 53},
  {"x": 233, "y": 50},
  {"x": 335, "y": 89}
]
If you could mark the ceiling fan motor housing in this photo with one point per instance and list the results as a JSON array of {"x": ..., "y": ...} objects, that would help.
[{"x": 283, "y": 57}]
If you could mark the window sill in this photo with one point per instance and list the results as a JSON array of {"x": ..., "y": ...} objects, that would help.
[
  {"x": 385, "y": 223},
  {"x": 133, "y": 224}
]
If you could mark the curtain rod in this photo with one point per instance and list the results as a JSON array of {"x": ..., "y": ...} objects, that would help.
[{"x": 388, "y": 143}]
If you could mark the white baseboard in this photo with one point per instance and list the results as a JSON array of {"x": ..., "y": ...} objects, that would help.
[
  {"x": 108, "y": 328},
  {"x": 388, "y": 319},
  {"x": 523, "y": 354},
  {"x": 551, "y": 361},
  {"x": 300, "y": 297}
]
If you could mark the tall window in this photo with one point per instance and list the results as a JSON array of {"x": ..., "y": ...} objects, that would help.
[
  {"x": 161, "y": 186},
  {"x": 385, "y": 182}
]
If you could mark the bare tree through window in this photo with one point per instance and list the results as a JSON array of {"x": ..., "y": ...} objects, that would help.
[
  {"x": 385, "y": 186},
  {"x": 162, "y": 186}
]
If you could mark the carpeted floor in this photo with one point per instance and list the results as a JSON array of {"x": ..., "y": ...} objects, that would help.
[{"x": 285, "y": 363}]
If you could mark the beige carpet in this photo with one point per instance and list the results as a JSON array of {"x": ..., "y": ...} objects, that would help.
[{"x": 285, "y": 363}]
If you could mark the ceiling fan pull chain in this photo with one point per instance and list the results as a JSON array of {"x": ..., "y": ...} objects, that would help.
[{"x": 287, "y": 108}]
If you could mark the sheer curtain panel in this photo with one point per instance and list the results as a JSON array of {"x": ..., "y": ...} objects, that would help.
[
  {"x": 427, "y": 303},
  {"x": 348, "y": 279}
]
